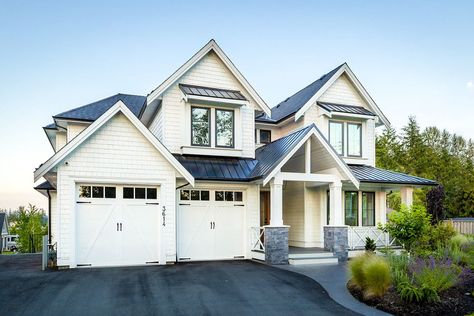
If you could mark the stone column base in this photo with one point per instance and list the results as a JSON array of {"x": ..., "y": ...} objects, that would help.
[
  {"x": 336, "y": 240},
  {"x": 276, "y": 244}
]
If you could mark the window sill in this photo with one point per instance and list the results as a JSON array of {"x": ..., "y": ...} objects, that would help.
[{"x": 212, "y": 151}]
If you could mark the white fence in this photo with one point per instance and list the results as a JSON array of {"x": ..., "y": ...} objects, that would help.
[
  {"x": 258, "y": 235},
  {"x": 357, "y": 237},
  {"x": 462, "y": 225}
]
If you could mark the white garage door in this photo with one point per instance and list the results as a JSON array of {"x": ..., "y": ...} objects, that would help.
[
  {"x": 211, "y": 225},
  {"x": 117, "y": 225}
]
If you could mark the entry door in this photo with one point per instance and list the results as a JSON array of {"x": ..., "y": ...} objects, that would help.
[{"x": 264, "y": 208}]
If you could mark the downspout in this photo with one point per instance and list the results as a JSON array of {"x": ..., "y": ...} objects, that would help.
[{"x": 49, "y": 216}]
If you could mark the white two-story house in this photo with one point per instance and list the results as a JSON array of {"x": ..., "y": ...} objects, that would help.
[{"x": 203, "y": 169}]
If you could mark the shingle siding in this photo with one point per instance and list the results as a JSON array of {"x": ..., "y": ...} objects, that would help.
[
  {"x": 210, "y": 72},
  {"x": 117, "y": 152}
]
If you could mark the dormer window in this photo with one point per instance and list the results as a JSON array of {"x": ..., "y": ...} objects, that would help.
[
  {"x": 224, "y": 128},
  {"x": 346, "y": 138},
  {"x": 200, "y": 126},
  {"x": 265, "y": 136},
  {"x": 354, "y": 139}
]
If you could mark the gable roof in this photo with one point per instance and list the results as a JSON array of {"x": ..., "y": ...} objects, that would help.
[
  {"x": 84, "y": 135},
  {"x": 210, "y": 46},
  {"x": 292, "y": 104},
  {"x": 92, "y": 111},
  {"x": 343, "y": 108},
  {"x": 375, "y": 175}
]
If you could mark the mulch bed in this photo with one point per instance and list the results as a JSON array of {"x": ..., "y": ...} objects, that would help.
[{"x": 453, "y": 301}]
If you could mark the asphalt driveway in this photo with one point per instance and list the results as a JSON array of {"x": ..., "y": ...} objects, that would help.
[{"x": 207, "y": 288}]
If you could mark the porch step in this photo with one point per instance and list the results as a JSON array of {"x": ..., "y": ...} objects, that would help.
[
  {"x": 322, "y": 254},
  {"x": 314, "y": 260}
]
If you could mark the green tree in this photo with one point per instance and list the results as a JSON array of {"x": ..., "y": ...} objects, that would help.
[
  {"x": 30, "y": 225},
  {"x": 408, "y": 224}
]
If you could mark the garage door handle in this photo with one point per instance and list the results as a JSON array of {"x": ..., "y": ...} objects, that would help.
[
  {"x": 83, "y": 202},
  {"x": 184, "y": 204},
  {"x": 239, "y": 204},
  {"x": 150, "y": 203}
]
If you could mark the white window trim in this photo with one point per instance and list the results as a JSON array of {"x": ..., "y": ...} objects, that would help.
[{"x": 345, "y": 138}]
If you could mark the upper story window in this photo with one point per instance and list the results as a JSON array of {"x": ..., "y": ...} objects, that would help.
[
  {"x": 336, "y": 136},
  {"x": 224, "y": 128},
  {"x": 354, "y": 139},
  {"x": 346, "y": 138},
  {"x": 265, "y": 136},
  {"x": 200, "y": 126}
]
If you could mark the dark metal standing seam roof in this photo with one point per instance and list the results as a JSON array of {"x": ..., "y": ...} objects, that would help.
[
  {"x": 270, "y": 155},
  {"x": 212, "y": 92},
  {"x": 342, "y": 108},
  {"x": 217, "y": 168},
  {"x": 375, "y": 175},
  {"x": 242, "y": 169},
  {"x": 93, "y": 111},
  {"x": 45, "y": 186},
  {"x": 292, "y": 104}
]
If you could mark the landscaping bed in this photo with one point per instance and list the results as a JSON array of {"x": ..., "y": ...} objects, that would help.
[
  {"x": 454, "y": 301},
  {"x": 433, "y": 275}
]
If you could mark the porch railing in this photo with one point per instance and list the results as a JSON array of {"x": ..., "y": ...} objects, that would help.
[
  {"x": 357, "y": 237},
  {"x": 258, "y": 235}
]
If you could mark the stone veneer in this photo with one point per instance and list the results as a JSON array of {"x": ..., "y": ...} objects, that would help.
[
  {"x": 276, "y": 244},
  {"x": 336, "y": 240}
]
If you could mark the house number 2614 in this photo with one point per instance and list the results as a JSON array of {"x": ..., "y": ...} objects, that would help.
[{"x": 163, "y": 213}]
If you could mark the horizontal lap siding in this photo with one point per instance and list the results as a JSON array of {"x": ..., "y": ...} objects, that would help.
[
  {"x": 117, "y": 151},
  {"x": 209, "y": 71},
  {"x": 293, "y": 211}
]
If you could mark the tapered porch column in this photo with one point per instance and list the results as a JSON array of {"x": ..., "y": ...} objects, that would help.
[
  {"x": 335, "y": 204},
  {"x": 276, "y": 234},
  {"x": 406, "y": 195}
]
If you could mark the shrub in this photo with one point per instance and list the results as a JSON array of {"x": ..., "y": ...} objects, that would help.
[
  {"x": 356, "y": 270},
  {"x": 371, "y": 274},
  {"x": 370, "y": 244},
  {"x": 409, "y": 292},
  {"x": 435, "y": 204},
  {"x": 408, "y": 224},
  {"x": 377, "y": 278},
  {"x": 398, "y": 268},
  {"x": 433, "y": 275},
  {"x": 435, "y": 237}
]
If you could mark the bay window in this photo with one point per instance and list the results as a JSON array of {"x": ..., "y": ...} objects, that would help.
[
  {"x": 224, "y": 128},
  {"x": 336, "y": 136},
  {"x": 354, "y": 139},
  {"x": 200, "y": 126}
]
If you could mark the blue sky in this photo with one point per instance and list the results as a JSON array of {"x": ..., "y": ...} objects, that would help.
[{"x": 414, "y": 58}]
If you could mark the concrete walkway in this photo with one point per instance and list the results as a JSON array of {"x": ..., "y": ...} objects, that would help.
[{"x": 333, "y": 278}]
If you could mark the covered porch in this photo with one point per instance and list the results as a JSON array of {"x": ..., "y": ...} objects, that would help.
[{"x": 313, "y": 204}]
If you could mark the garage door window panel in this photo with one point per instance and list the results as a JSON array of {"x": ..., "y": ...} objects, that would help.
[
  {"x": 204, "y": 195},
  {"x": 110, "y": 192},
  {"x": 151, "y": 194},
  {"x": 128, "y": 193},
  {"x": 184, "y": 195},
  {"x": 97, "y": 192},
  {"x": 85, "y": 191},
  {"x": 140, "y": 193}
]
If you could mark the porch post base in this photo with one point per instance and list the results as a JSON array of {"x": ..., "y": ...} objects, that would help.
[
  {"x": 276, "y": 244},
  {"x": 336, "y": 240}
]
